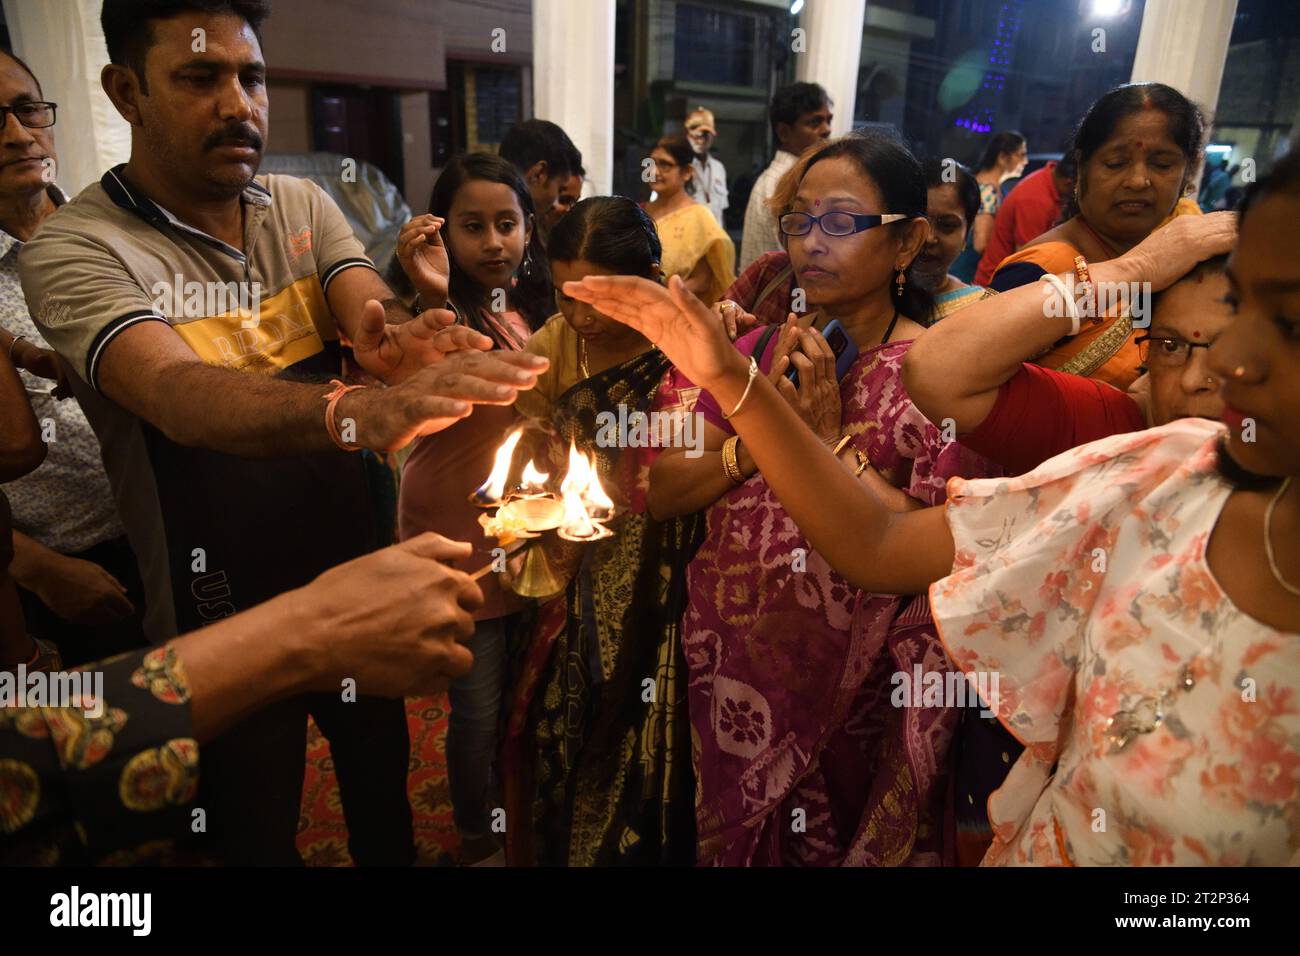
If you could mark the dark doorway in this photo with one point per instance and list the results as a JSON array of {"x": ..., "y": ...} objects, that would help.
[{"x": 363, "y": 123}]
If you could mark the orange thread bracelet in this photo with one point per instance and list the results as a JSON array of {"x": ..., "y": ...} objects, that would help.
[{"x": 331, "y": 402}]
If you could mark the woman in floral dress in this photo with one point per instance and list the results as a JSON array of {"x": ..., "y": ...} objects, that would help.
[{"x": 1139, "y": 597}]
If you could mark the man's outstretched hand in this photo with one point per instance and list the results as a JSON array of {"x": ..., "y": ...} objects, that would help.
[
  {"x": 438, "y": 396},
  {"x": 393, "y": 353}
]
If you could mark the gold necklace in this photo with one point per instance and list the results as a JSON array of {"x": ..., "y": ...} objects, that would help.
[
  {"x": 1268, "y": 541},
  {"x": 582, "y": 359}
]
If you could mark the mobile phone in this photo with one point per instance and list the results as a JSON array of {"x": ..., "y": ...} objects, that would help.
[{"x": 842, "y": 345}]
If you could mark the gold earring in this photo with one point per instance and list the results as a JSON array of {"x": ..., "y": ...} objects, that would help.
[{"x": 900, "y": 282}]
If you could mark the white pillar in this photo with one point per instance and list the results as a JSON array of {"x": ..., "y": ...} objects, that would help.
[
  {"x": 573, "y": 79},
  {"x": 833, "y": 45},
  {"x": 1185, "y": 45},
  {"x": 63, "y": 44}
]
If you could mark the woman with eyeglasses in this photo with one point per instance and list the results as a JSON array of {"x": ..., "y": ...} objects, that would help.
[
  {"x": 695, "y": 247},
  {"x": 765, "y": 290},
  {"x": 977, "y": 371},
  {"x": 800, "y": 758},
  {"x": 974, "y": 375},
  {"x": 1139, "y": 596}
]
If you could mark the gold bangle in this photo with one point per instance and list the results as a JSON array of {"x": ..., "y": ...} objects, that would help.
[
  {"x": 731, "y": 460},
  {"x": 839, "y": 445}
]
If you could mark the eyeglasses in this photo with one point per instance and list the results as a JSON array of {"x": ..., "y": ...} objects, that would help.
[
  {"x": 664, "y": 163},
  {"x": 34, "y": 115},
  {"x": 835, "y": 223},
  {"x": 1161, "y": 352}
]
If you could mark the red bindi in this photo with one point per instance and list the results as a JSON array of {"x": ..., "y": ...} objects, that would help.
[{"x": 1196, "y": 335}]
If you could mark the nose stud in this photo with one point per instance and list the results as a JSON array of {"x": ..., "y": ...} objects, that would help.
[{"x": 1239, "y": 372}]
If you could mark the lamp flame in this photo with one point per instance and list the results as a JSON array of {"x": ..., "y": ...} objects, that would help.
[
  {"x": 579, "y": 474},
  {"x": 595, "y": 498},
  {"x": 495, "y": 486},
  {"x": 583, "y": 480},
  {"x": 534, "y": 481},
  {"x": 577, "y": 523}
]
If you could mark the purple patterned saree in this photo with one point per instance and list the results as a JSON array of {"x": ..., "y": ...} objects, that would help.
[{"x": 801, "y": 759}]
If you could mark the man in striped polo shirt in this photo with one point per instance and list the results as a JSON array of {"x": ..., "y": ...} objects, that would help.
[{"x": 200, "y": 310}]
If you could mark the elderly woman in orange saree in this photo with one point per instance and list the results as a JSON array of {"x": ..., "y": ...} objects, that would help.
[{"x": 1138, "y": 149}]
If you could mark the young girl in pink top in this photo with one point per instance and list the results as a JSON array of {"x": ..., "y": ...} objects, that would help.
[{"x": 477, "y": 252}]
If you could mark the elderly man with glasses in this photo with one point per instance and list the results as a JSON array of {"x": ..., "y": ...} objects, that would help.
[{"x": 79, "y": 583}]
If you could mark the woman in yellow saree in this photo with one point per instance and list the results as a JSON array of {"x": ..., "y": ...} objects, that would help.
[
  {"x": 596, "y": 756},
  {"x": 694, "y": 245}
]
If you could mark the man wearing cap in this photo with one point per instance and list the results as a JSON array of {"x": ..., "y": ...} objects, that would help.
[{"x": 710, "y": 174}]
